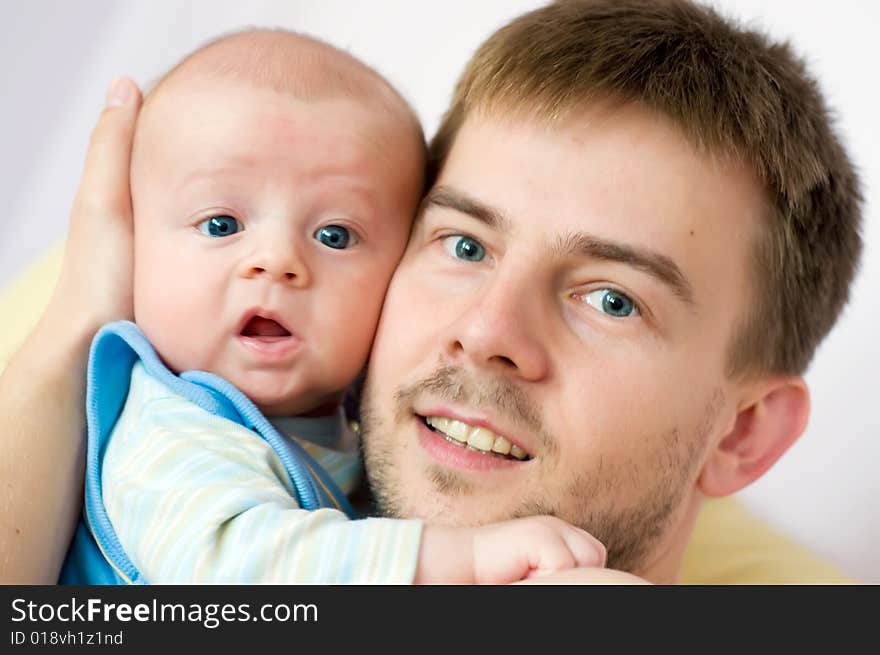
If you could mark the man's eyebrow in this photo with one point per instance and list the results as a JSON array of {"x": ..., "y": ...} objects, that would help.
[
  {"x": 443, "y": 196},
  {"x": 653, "y": 263}
]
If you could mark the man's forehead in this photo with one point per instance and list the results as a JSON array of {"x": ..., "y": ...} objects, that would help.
[{"x": 621, "y": 165}]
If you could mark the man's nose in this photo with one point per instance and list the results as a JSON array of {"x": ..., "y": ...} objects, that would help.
[
  {"x": 500, "y": 329},
  {"x": 278, "y": 258}
]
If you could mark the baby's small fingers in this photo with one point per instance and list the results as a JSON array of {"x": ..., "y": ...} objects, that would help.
[{"x": 585, "y": 548}]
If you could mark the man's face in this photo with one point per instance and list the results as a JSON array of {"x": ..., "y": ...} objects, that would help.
[
  {"x": 266, "y": 231},
  {"x": 566, "y": 301}
]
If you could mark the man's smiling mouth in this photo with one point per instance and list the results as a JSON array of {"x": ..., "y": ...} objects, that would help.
[{"x": 479, "y": 439}]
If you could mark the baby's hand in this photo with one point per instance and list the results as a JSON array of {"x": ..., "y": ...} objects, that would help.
[{"x": 505, "y": 552}]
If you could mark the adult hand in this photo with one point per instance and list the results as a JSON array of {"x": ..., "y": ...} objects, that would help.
[
  {"x": 95, "y": 285},
  {"x": 42, "y": 403}
]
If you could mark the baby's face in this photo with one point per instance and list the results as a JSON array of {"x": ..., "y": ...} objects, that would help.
[{"x": 266, "y": 232}]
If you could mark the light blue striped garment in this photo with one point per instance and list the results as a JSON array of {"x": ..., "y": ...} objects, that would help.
[{"x": 197, "y": 498}]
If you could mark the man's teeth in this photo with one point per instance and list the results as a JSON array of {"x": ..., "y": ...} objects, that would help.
[
  {"x": 501, "y": 446},
  {"x": 475, "y": 437}
]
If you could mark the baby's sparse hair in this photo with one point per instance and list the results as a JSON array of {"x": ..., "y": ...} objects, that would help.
[{"x": 291, "y": 63}]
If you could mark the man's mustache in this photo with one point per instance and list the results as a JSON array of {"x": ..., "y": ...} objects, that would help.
[{"x": 506, "y": 399}]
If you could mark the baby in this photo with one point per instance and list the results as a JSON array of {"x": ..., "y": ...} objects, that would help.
[{"x": 274, "y": 180}]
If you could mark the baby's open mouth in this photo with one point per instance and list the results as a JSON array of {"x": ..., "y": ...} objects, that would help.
[{"x": 264, "y": 328}]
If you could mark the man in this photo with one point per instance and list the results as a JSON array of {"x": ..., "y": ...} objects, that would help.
[{"x": 641, "y": 227}]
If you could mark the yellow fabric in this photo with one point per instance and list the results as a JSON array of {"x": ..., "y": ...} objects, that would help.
[
  {"x": 23, "y": 301},
  {"x": 729, "y": 546}
]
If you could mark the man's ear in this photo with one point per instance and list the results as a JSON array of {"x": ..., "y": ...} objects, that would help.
[{"x": 765, "y": 426}]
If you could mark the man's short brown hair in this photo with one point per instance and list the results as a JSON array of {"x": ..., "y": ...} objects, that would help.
[{"x": 728, "y": 90}]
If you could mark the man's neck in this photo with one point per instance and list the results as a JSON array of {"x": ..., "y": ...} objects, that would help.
[{"x": 665, "y": 566}]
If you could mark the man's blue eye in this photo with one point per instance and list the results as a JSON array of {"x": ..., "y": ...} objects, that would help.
[
  {"x": 333, "y": 236},
  {"x": 220, "y": 226},
  {"x": 462, "y": 247},
  {"x": 612, "y": 303}
]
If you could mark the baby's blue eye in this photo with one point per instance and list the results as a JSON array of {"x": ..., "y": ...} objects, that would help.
[
  {"x": 612, "y": 303},
  {"x": 462, "y": 247},
  {"x": 333, "y": 236},
  {"x": 220, "y": 226}
]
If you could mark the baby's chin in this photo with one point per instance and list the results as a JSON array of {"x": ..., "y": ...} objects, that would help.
[
  {"x": 291, "y": 402},
  {"x": 270, "y": 401}
]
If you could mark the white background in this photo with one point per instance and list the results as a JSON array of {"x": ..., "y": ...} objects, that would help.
[{"x": 58, "y": 57}]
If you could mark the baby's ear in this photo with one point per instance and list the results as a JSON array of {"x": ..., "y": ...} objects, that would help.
[{"x": 770, "y": 421}]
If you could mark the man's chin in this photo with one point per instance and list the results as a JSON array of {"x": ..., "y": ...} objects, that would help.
[
  {"x": 453, "y": 514},
  {"x": 444, "y": 497}
]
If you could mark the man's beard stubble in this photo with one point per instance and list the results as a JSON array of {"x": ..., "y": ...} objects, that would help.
[{"x": 628, "y": 531}]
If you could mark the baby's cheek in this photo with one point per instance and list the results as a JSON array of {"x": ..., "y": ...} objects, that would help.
[
  {"x": 166, "y": 309},
  {"x": 349, "y": 335},
  {"x": 166, "y": 329},
  {"x": 369, "y": 290}
]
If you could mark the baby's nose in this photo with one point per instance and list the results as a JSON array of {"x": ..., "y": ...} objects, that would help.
[
  {"x": 256, "y": 271},
  {"x": 279, "y": 262}
]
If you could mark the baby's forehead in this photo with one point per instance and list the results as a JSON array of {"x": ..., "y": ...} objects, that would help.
[{"x": 197, "y": 113}]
